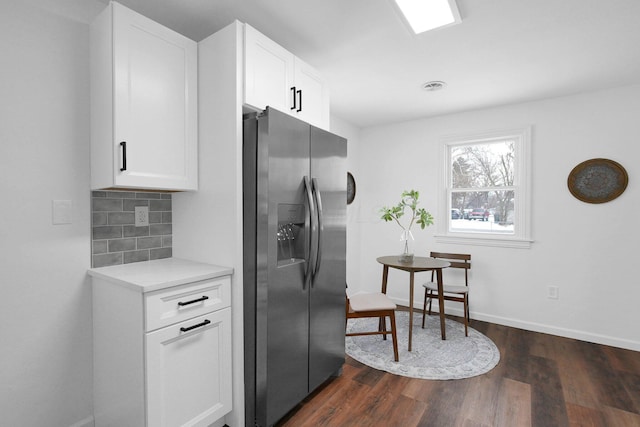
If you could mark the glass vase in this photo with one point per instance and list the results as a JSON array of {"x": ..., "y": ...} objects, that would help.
[{"x": 407, "y": 254}]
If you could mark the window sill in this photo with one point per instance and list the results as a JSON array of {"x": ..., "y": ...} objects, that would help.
[{"x": 484, "y": 240}]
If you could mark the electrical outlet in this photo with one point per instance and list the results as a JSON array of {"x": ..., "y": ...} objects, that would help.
[
  {"x": 553, "y": 292},
  {"x": 142, "y": 216}
]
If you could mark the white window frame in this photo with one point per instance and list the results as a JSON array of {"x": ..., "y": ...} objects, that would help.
[{"x": 521, "y": 238}]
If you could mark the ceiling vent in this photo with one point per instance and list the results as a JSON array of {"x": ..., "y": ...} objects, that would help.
[{"x": 433, "y": 86}]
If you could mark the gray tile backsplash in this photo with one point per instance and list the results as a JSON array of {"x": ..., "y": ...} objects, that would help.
[{"x": 116, "y": 239}]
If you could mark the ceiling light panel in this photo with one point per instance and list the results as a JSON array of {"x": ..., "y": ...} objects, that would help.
[{"x": 425, "y": 15}]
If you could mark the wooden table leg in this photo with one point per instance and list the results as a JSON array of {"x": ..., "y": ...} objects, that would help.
[
  {"x": 440, "y": 304},
  {"x": 411, "y": 274},
  {"x": 385, "y": 276}
]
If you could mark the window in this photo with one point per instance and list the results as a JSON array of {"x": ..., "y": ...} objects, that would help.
[{"x": 485, "y": 196}]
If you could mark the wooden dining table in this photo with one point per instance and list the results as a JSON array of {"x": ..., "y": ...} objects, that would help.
[{"x": 417, "y": 265}]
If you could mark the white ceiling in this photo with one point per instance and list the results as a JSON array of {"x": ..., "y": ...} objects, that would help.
[{"x": 503, "y": 52}]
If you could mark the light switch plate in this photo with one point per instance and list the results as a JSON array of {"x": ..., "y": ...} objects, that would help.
[{"x": 62, "y": 211}]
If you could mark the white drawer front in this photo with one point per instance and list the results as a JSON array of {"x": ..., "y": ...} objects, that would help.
[{"x": 179, "y": 303}]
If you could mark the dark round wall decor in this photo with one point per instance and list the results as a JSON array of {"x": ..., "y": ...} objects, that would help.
[
  {"x": 597, "y": 180},
  {"x": 351, "y": 188}
]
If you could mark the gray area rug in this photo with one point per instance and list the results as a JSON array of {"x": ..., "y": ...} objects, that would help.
[{"x": 431, "y": 358}]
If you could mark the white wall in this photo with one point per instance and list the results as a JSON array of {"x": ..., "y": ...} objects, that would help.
[
  {"x": 352, "y": 134},
  {"x": 207, "y": 224},
  {"x": 587, "y": 250},
  {"x": 45, "y": 309}
]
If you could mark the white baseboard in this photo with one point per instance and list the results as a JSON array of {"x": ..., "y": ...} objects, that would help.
[
  {"x": 533, "y": 326},
  {"x": 90, "y": 422},
  {"x": 87, "y": 422},
  {"x": 562, "y": 332},
  {"x": 218, "y": 423}
]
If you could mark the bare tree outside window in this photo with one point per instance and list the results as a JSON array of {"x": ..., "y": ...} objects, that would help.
[{"x": 482, "y": 177}]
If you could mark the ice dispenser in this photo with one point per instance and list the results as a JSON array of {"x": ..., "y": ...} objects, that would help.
[{"x": 290, "y": 233}]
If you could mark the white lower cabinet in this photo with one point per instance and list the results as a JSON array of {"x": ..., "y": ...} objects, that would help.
[
  {"x": 162, "y": 354},
  {"x": 186, "y": 371}
]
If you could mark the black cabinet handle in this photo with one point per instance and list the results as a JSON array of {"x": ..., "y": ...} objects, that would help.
[
  {"x": 123, "y": 144},
  {"x": 202, "y": 298},
  {"x": 199, "y": 325},
  {"x": 300, "y": 97},
  {"x": 293, "y": 94}
]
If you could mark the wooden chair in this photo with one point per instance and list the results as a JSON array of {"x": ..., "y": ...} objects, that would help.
[
  {"x": 374, "y": 305},
  {"x": 459, "y": 293}
]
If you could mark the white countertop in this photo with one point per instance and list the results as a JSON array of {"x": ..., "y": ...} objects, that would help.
[{"x": 158, "y": 274}]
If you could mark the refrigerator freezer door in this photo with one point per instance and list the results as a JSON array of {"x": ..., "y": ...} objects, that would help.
[
  {"x": 327, "y": 299},
  {"x": 282, "y": 321}
]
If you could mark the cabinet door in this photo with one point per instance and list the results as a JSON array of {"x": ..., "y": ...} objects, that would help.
[
  {"x": 154, "y": 104},
  {"x": 268, "y": 73},
  {"x": 189, "y": 372},
  {"x": 314, "y": 99}
]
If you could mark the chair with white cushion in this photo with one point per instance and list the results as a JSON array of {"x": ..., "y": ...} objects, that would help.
[
  {"x": 374, "y": 305},
  {"x": 459, "y": 293}
]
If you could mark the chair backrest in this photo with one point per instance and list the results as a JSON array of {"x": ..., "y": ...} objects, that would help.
[{"x": 457, "y": 261}]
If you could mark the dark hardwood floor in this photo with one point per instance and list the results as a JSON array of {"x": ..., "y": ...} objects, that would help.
[{"x": 541, "y": 380}]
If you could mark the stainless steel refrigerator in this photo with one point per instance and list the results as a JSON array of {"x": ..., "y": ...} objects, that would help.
[{"x": 294, "y": 261}]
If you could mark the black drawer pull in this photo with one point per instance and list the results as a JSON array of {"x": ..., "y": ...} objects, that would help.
[
  {"x": 199, "y": 325},
  {"x": 202, "y": 298},
  {"x": 123, "y": 144}
]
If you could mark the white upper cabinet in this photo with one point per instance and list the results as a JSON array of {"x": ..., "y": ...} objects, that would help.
[
  {"x": 312, "y": 95},
  {"x": 144, "y": 104},
  {"x": 268, "y": 72},
  {"x": 274, "y": 77}
]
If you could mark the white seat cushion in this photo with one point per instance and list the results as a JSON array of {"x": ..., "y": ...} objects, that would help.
[
  {"x": 371, "y": 302},
  {"x": 450, "y": 289}
]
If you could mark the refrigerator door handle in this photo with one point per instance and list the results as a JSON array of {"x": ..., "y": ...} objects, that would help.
[
  {"x": 320, "y": 230},
  {"x": 313, "y": 233}
]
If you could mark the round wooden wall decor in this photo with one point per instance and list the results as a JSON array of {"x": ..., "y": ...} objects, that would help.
[
  {"x": 597, "y": 180},
  {"x": 351, "y": 188}
]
